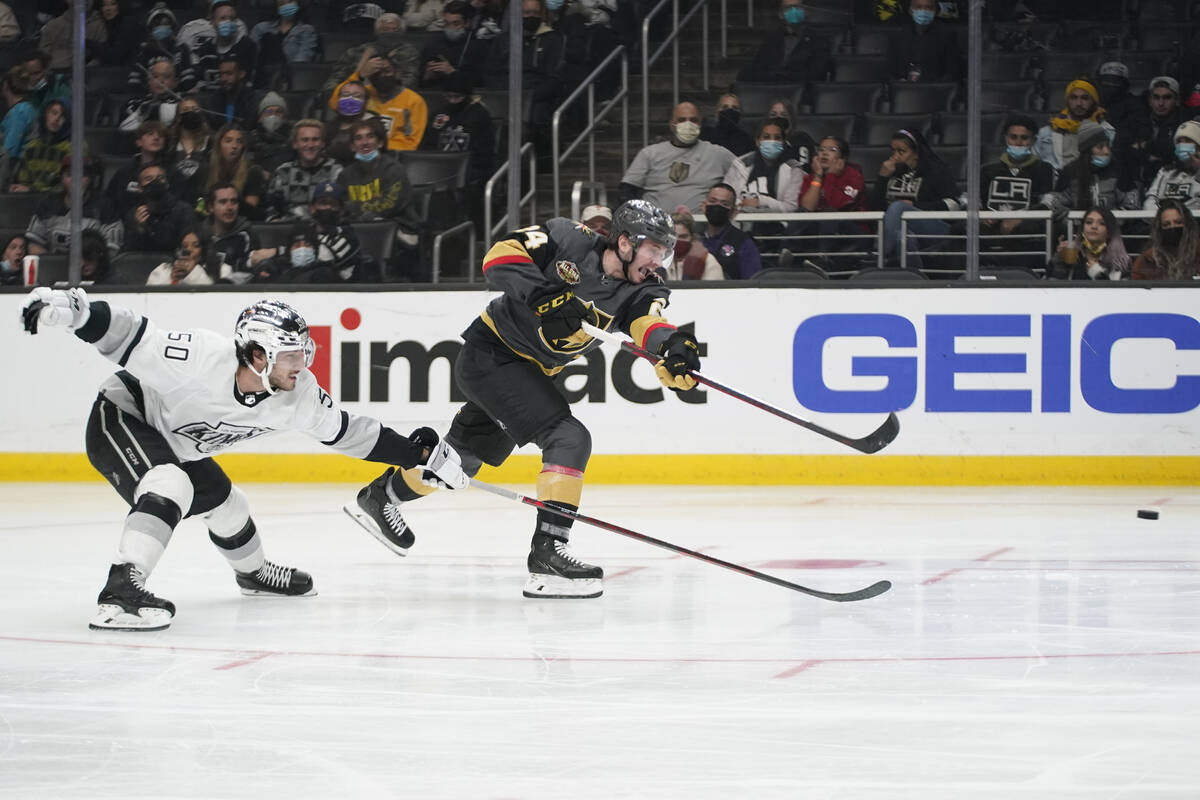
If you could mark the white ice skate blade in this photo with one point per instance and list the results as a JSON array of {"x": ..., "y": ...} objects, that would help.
[
  {"x": 115, "y": 618},
  {"x": 558, "y": 588},
  {"x": 364, "y": 519},
  {"x": 261, "y": 593}
]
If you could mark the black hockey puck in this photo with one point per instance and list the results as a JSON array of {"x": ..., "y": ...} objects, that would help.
[{"x": 1145, "y": 513}]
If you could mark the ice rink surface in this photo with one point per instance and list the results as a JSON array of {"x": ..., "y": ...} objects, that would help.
[{"x": 1038, "y": 643}]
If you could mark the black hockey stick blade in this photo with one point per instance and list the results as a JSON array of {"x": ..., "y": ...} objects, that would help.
[
  {"x": 871, "y": 443},
  {"x": 874, "y": 590}
]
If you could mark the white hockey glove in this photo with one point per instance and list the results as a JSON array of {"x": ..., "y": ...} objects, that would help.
[
  {"x": 55, "y": 307},
  {"x": 443, "y": 468}
]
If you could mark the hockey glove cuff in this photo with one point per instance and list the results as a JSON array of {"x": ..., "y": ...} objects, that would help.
[
  {"x": 559, "y": 312},
  {"x": 443, "y": 468},
  {"x": 48, "y": 306},
  {"x": 681, "y": 355}
]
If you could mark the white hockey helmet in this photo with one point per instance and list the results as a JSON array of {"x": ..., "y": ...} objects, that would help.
[{"x": 277, "y": 328}]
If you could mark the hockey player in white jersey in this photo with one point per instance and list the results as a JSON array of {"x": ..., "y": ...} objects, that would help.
[{"x": 183, "y": 396}]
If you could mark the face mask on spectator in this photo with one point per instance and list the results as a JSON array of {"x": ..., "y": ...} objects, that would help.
[
  {"x": 271, "y": 123},
  {"x": 161, "y": 32},
  {"x": 923, "y": 16},
  {"x": 554, "y": 5},
  {"x": 1101, "y": 162},
  {"x": 289, "y": 10},
  {"x": 681, "y": 249},
  {"x": 326, "y": 217},
  {"x": 687, "y": 132},
  {"x": 729, "y": 117},
  {"x": 226, "y": 28},
  {"x": 717, "y": 216},
  {"x": 454, "y": 34},
  {"x": 793, "y": 15},
  {"x": 371, "y": 156},
  {"x": 531, "y": 24},
  {"x": 303, "y": 256},
  {"x": 192, "y": 120},
  {"x": 770, "y": 149},
  {"x": 1171, "y": 237},
  {"x": 1018, "y": 152},
  {"x": 350, "y": 106},
  {"x": 1185, "y": 150}
]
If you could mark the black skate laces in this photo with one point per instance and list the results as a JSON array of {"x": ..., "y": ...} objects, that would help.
[{"x": 275, "y": 575}]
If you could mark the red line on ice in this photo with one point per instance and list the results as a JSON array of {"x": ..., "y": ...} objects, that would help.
[{"x": 943, "y": 575}]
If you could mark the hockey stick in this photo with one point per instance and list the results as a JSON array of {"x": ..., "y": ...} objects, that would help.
[
  {"x": 871, "y": 443},
  {"x": 837, "y": 597}
]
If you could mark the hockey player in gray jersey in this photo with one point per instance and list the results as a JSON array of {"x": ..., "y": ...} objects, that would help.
[
  {"x": 182, "y": 397},
  {"x": 553, "y": 278}
]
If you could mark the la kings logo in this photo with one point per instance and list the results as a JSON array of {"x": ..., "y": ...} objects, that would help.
[{"x": 211, "y": 439}]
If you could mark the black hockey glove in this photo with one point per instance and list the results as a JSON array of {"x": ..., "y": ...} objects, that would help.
[
  {"x": 559, "y": 311},
  {"x": 681, "y": 355}
]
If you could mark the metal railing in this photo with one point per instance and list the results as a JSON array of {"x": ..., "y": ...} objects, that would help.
[
  {"x": 960, "y": 216},
  {"x": 599, "y": 195},
  {"x": 868, "y": 219},
  {"x": 672, "y": 39},
  {"x": 468, "y": 228},
  {"x": 589, "y": 86},
  {"x": 490, "y": 229}
]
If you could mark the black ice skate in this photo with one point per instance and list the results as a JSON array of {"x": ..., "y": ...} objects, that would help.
[
  {"x": 555, "y": 572},
  {"x": 376, "y": 512},
  {"x": 125, "y": 605},
  {"x": 274, "y": 579}
]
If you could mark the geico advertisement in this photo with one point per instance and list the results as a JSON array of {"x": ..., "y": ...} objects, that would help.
[{"x": 969, "y": 371}]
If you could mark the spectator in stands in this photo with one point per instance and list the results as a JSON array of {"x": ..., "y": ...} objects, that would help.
[
  {"x": 286, "y": 39},
  {"x": 224, "y": 35},
  {"x": 57, "y": 36},
  {"x": 423, "y": 15},
  {"x": 1112, "y": 82},
  {"x": 376, "y": 184},
  {"x": 790, "y": 52},
  {"x": 1148, "y": 138},
  {"x": 338, "y": 243},
  {"x": 122, "y": 35},
  {"x": 229, "y": 163},
  {"x": 835, "y": 184},
  {"x": 461, "y": 124},
  {"x": 160, "y": 101},
  {"x": 458, "y": 48},
  {"x": 487, "y": 18},
  {"x": 20, "y": 118},
  {"x": 159, "y": 219},
  {"x": 542, "y": 61},
  {"x": 1057, "y": 143},
  {"x": 228, "y": 237},
  {"x": 193, "y": 145},
  {"x": 692, "y": 261},
  {"x": 598, "y": 218},
  {"x": 389, "y": 39},
  {"x": 1097, "y": 178},
  {"x": 270, "y": 141},
  {"x": 734, "y": 250},
  {"x": 802, "y": 146},
  {"x": 766, "y": 180},
  {"x": 402, "y": 111},
  {"x": 95, "y": 261},
  {"x": 291, "y": 189},
  {"x": 298, "y": 263},
  {"x": 10, "y": 29},
  {"x": 44, "y": 86},
  {"x": 1174, "y": 251},
  {"x": 1097, "y": 253},
  {"x": 924, "y": 49},
  {"x": 233, "y": 99},
  {"x": 49, "y": 230},
  {"x": 188, "y": 267},
  {"x": 12, "y": 259},
  {"x": 123, "y": 193},
  {"x": 726, "y": 129},
  {"x": 913, "y": 177},
  {"x": 678, "y": 172},
  {"x": 351, "y": 105},
  {"x": 1018, "y": 181},
  {"x": 1181, "y": 180},
  {"x": 40, "y": 167},
  {"x": 160, "y": 42}
]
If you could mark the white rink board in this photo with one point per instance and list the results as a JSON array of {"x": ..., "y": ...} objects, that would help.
[{"x": 1073, "y": 394}]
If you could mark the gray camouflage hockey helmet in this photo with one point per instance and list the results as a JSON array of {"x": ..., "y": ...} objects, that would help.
[
  {"x": 642, "y": 221},
  {"x": 276, "y": 327}
]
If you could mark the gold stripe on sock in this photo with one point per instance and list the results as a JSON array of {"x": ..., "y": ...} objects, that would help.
[
  {"x": 562, "y": 487},
  {"x": 412, "y": 479}
]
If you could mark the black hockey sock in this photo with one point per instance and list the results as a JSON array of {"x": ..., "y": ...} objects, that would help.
[
  {"x": 550, "y": 524},
  {"x": 403, "y": 486}
]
